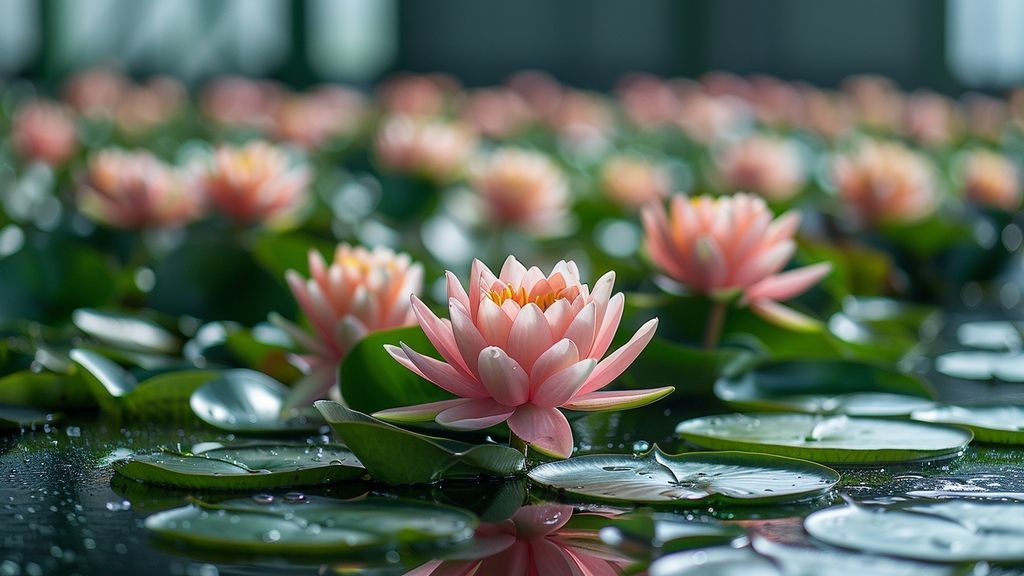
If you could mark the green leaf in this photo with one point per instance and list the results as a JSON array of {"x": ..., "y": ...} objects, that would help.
[
  {"x": 994, "y": 423},
  {"x": 245, "y": 467},
  {"x": 947, "y": 531},
  {"x": 249, "y": 402},
  {"x": 371, "y": 380},
  {"x": 661, "y": 531},
  {"x": 18, "y": 417},
  {"x": 661, "y": 363},
  {"x": 126, "y": 332},
  {"x": 312, "y": 526},
  {"x": 45, "y": 390},
  {"x": 425, "y": 459},
  {"x": 825, "y": 387},
  {"x": 107, "y": 381},
  {"x": 694, "y": 479},
  {"x": 826, "y": 439}
]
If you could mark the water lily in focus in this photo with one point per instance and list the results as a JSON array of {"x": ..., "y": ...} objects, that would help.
[
  {"x": 358, "y": 292},
  {"x": 520, "y": 346},
  {"x": 990, "y": 179},
  {"x": 731, "y": 248},
  {"x": 135, "y": 190},
  {"x": 633, "y": 182},
  {"x": 44, "y": 132},
  {"x": 885, "y": 183},
  {"x": 769, "y": 166},
  {"x": 521, "y": 189},
  {"x": 432, "y": 149},
  {"x": 255, "y": 184}
]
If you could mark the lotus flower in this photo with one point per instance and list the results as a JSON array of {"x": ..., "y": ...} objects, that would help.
[
  {"x": 521, "y": 189},
  {"x": 434, "y": 150},
  {"x": 361, "y": 291},
  {"x": 44, "y": 132},
  {"x": 534, "y": 542},
  {"x": 254, "y": 184},
  {"x": 634, "y": 182},
  {"x": 768, "y": 166},
  {"x": 991, "y": 179},
  {"x": 648, "y": 101},
  {"x": 238, "y": 102},
  {"x": 135, "y": 190},
  {"x": 731, "y": 246},
  {"x": 311, "y": 120},
  {"x": 145, "y": 107},
  {"x": 417, "y": 95},
  {"x": 521, "y": 345},
  {"x": 931, "y": 119},
  {"x": 884, "y": 182},
  {"x": 95, "y": 93},
  {"x": 496, "y": 113}
]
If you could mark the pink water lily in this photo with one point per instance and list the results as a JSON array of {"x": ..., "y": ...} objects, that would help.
[
  {"x": 732, "y": 246},
  {"x": 520, "y": 345}
]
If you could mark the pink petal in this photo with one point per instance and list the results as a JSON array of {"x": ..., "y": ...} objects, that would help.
[
  {"x": 474, "y": 414},
  {"x": 455, "y": 289},
  {"x": 494, "y": 323},
  {"x": 530, "y": 336},
  {"x": 512, "y": 271},
  {"x": 609, "y": 325},
  {"x": 559, "y": 316},
  {"x": 545, "y": 429},
  {"x": 480, "y": 279},
  {"x": 467, "y": 337},
  {"x": 785, "y": 316},
  {"x": 763, "y": 264},
  {"x": 788, "y": 284},
  {"x": 563, "y": 385},
  {"x": 583, "y": 329},
  {"x": 503, "y": 377},
  {"x": 561, "y": 355},
  {"x": 441, "y": 374},
  {"x": 419, "y": 412},
  {"x": 550, "y": 558},
  {"x": 541, "y": 519},
  {"x": 441, "y": 336},
  {"x": 615, "y": 364},
  {"x": 617, "y": 399}
]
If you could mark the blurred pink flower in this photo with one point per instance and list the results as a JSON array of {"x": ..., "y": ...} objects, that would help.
[
  {"x": 142, "y": 108},
  {"x": 986, "y": 116},
  {"x": 931, "y": 119},
  {"x": 135, "y": 190},
  {"x": 991, "y": 179},
  {"x": 435, "y": 150},
  {"x": 496, "y": 113},
  {"x": 705, "y": 118},
  {"x": 731, "y": 246},
  {"x": 632, "y": 182},
  {"x": 95, "y": 93},
  {"x": 826, "y": 114},
  {"x": 522, "y": 189},
  {"x": 361, "y": 291},
  {"x": 769, "y": 166},
  {"x": 541, "y": 91},
  {"x": 775, "y": 102},
  {"x": 647, "y": 100},
  {"x": 518, "y": 347},
  {"x": 885, "y": 182},
  {"x": 310, "y": 120},
  {"x": 876, "y": 101},
  {"x": 44, "y": 132},
  {"x": 417, "y": 95},
  {"x": 238, "y": 102},
  {"x": 534, "y": 542},
  {"x": 254, "y": 184}
]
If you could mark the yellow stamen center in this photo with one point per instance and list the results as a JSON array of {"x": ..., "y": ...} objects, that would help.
[{"x": 519, "y": 297}]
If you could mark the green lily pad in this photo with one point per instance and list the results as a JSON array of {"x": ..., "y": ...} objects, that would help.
[
  {"x": 946, "y": 531},
  {"x": 715, "y": 561},
  {"x": 825, "y": 387},
  {"x": 244, "y": 467},
  {"x": 697, "y": 478},
  {"x": 989, "y": 335},
  {"x": 126, "y": 332},
  {"x": 18, "y": 417},
  {"x": 826, "y": 439},
  {"x": 424, "y": 459},
  {"x": 981, "y": 365},
  {"x": 249, "y": 402},
  {"x": 45, "y": 390},
  {"x": 995, "y": 423},
  {"x": 666, "y": 532},
  {"x": 312, "y": 526}
]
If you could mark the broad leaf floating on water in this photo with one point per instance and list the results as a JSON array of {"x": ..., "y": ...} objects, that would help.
[
  {"x": 46, "y": 390},
  {"x": 162, "y": 397},
  {"x": 715, "y": 561},
  {"x": 698, "y": 478},
  {"x": 245, "y": 467},
  {"x": 825, "y": 387},
  {"x": 994, "y": 423},
  {"x": 945, "y": 531},
  {"x": 19, "y": 417},
  {"x": 397, "y": 456},
  {"x": 883, "y": 329},
  {"x": 826, "y": 439},
  {"x": 297, "y": 525},
  {"x": 126, "y": 332},
  {"x": 981, "y": 365},
  {"x": 990, "y": 335},
  {"x": 664, "y": 532},
  {"x": 251, "y": 402}
]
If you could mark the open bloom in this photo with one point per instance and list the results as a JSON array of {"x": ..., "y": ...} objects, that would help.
[
  {"x": 254, "y": 184},
  {"x": 313, "y": 119},
  {"x": 991, "y": 179},
  {"x": 142, "y": 108},
  {"x": 633, "y": 182},
  {"x": 135, "y": 190},
  {"x": 432, "y": 149},
  {"x": 44, "y": 132},
  {"x": 361, "y": 291},
  {"x": 521, "y": 345},
  {"x": 884, "y": 182},
  {"x": 729, "y": 246},
  {"x": 496, "y": 113},
  {"x": 94, "y": 93},
  {"x": 238, "y": 102},
  {"x": 768, "y": 166},
  {"x": 522, "y": 189}
]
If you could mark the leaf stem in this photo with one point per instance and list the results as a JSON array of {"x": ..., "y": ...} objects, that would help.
[
  {"x": 519, "y": 444},
  {"x": 713, "y": 328}
]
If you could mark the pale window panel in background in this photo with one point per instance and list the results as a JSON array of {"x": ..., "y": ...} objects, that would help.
[
  {"x": 353, "y": 40},
  {"x": 985, "y": 46},
  {"x": 19, "y": 34}
]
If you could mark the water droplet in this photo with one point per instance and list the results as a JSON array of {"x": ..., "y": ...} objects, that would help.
[
  {"x": 271, "y": 536},
  {"x": 641, "y": 446},
  {"x": 263, "y": 499},
  {"x": 295, "y": 497}
]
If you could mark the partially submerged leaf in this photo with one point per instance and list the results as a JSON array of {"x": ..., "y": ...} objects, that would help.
[{"x": 249, "y": 402}]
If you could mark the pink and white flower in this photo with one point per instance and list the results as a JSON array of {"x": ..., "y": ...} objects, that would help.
[
  {"x": 769, "y": 166},
  {"x": 732, "y": 246},
  {"x": 521, "y": 189},
  {"x": 518, "y": 347},
  {"x": 991, "y": 179},
  {"x": 432, "y": 149},
  {"x": 886, "y": 182},
  {"x": 44, "y": 132},
  {"x": 135, "y": 190},
  {"x": 632, "y": 182}
]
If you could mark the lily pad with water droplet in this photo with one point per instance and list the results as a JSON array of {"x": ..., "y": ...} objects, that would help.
[
  {"x": 251, "y": 402},
  {"x": 697, "y": 478},
  {"x": 18, "y": 417},
  {"x": 312, "y": 526},
  {"x": 397, "y": 456},
  {"x": 946, "y": 531},
  {"x": 245, "y": 467},
  {"x": 825, "y": 387},
  {"x": 826, "y": 439},
  {"x": 995, "y": 423}
]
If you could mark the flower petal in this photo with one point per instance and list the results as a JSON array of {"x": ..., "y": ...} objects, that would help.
[
  {"x": 467, "y": 337},
  {"x": 785, "y": 316},
  {"x": 617, "y": 399},
  {"x": 583, "y": 329},
  {"x": 530, "y": 336},
  {"x": 616, "y": 363},
  {"x": 441, "y": 374},
  {"x": 503, "y": 377},
  {"x": 419, "y": 412},
  {"x": 441, "y": 336},
  {"x": 455, "y": 289},
  {"x": 561, "y": 355},
  {"x": 493, "y": 323},
  {"x": 788, "y": 284},
  {"x": 609, "y": 325},
  {"x": 545, "y": 429},
  {"x": 563, "y": 385},
  {"x": 474, "y": 414}
]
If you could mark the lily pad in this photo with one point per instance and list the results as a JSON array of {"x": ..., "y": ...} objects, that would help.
[
  {"x": 981, "y": 365},
  {"x": 826, "y": 439},
  {"x": 312, "y": 526},
  {"x": 126, "y": 332},
  {"x": 995, "y": 423},
  {"x": 45, "y": 390},
  {"x": 989, "y": 335},
  {"x": 825, "y": 387},
  {"x": 715, "y": 561},
  {"x": 244, "y": 467},
  {"x": 249, "y": 402},
  {"x": 397, "y": 456},
  {"x": 666, "y": 532},
  {"x": 18, "y": 417},
  {"x": 946, "y": 531},
  {"x": 698, "y": 478}
]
